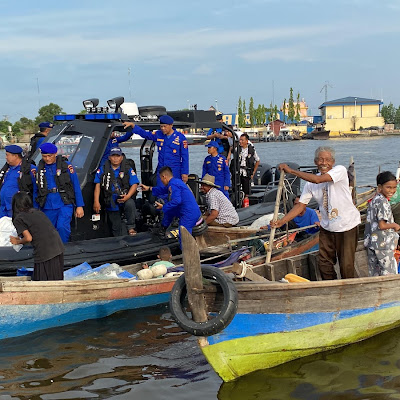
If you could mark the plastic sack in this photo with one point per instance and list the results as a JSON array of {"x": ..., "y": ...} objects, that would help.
[
  {"x": 264, "y": 220},
  {"x": 7, "y": 229}
]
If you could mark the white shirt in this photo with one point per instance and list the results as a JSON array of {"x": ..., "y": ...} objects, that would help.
[{"x": 338, "y": 213}]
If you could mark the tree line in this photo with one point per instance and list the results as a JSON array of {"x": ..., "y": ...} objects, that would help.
[
  {"x": 391, "y": 115},
  {"x": 257, "y": 116},
  {"x": 26, "y": 125}
]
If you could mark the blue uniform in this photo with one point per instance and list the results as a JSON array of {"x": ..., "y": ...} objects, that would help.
[
  {"x": 60, "y": 214},
  {"x": 218, "y": 140},
  {"x": 181, "y": 204},
  {"x": 309, "y": 218},
  {"x": 10, "y": 187},
  {"x": 133, "y": 179},
  {"x": 172, "y": 151},
  {"x": 114, "y": 142},
  {"x": 217, "y": 167}
]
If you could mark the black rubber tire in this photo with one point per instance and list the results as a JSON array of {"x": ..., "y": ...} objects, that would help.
[
  {"x": 224, "y": 316},
  {"x": 199, "y": 229}
]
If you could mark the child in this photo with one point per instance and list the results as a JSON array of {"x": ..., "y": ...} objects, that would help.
[
  {"x": 34, "y": 226},
  {"x": 165, "y": 257},
  {"x": 380, "y": 236}
]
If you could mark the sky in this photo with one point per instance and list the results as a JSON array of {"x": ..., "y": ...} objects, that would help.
[{"x": 179, "y": 53}]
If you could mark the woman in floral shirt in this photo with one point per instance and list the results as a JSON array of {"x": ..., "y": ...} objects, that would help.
[{"x": 380, "y": 230}]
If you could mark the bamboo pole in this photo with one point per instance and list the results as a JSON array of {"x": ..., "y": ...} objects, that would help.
[
  {"x": 274, "y": 218},
  {"x": 193, "y": 276}
]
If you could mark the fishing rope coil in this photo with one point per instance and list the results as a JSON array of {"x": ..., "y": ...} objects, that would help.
[{"x": 245, "y": 267}]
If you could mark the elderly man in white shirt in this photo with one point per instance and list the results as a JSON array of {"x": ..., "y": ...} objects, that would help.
[
  {"x": 220, "y": 210},
  {"x": 339, "y": 217}
]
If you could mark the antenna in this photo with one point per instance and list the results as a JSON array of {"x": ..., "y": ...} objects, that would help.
[
  {"x": 129, "y": 83},
  {"x": 326, "y": 89},
  {"x": 38, "y": 91}
]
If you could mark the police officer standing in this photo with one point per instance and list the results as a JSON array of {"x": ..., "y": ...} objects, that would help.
[
  {"x": 216, "y": 165},
  {"x": 118, "y": 183},
  {"x": 57, "y": 190},
  {"x": 181, "y": 203},
  {"x": 113, "y": 142},
  {"x": 17, "y": 175},
  {"x": 172, "y": 147},
  {"x": 37, "y": 138}
]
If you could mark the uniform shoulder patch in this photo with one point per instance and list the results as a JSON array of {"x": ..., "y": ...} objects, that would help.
[
  {"x": 185, "y": 144},
  {"x": 71, "y": 169}
]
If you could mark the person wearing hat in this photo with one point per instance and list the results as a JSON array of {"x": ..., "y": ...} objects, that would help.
[
  {"x": 181, "y": 203},
  {"x": 220, "y": 211},
  {"x": 172, "y": 147},
  {"x": 113, "y": 142},
  {"x": 217, "y": 166},
  {"x": 118, "y": 184},
  {"x": 221, "y": 136},
  {"x": 57, "y": 190},
  {"x": 38, "y": 138},
  {"x": 17, "y": 175}
]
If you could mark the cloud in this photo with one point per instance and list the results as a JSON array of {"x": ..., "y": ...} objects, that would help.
[{"x": 203, "y": 69}]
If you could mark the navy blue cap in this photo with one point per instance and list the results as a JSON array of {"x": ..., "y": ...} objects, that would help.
[
  {"x": 166, "y": 119},
  {"x": 13, "y": 149},
  {"x": 212, "y": 143},
  {"x": 46, "y": 125},
  {"x": 48, "y": 148},
  {"x": 116, "y": 151}
]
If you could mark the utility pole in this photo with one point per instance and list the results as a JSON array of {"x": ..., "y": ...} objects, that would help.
[
  {"x": 326, "y": 89},
  {"x": 129, "y": 83},
  {"x": 38, "y": 91}
]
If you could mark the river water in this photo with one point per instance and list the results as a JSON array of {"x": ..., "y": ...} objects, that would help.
[{"x": 142, "y": 353}]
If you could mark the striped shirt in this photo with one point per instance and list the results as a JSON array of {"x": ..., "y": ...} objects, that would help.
[{"x": 227, "y": 214}]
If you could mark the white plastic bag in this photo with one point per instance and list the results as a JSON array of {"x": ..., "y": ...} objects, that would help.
[
  {"x": 7, "y": 229},
  {"x": 264, "y": 220}
]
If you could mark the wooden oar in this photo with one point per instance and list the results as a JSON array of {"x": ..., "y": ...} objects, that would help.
[{"x": 274, "y": 218}]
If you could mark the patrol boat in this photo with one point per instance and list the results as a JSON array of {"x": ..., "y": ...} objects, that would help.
[{"x": 82, "y": 138}]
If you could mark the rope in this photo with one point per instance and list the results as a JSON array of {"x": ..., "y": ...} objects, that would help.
[{"x": 245, "y": 267}]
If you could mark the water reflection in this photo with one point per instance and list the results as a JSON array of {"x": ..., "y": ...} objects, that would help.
[
  {"x": 128, "y": 352},
  {"x": 366, "y": 370}
]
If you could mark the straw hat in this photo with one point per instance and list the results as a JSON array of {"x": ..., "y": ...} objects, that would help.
[{"x": 208, "y": 180}]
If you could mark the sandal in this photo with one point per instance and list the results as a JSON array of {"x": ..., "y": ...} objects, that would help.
[{"x": 132, "y": 232}]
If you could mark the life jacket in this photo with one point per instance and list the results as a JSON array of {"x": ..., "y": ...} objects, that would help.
[
  {"x": 111, "y": 185},
  {"x": 33, "y": 144},
  {"x": 250, "y": 159},
  {"x": 63, "y": 182},
  {"x": 24, "y": 179}
]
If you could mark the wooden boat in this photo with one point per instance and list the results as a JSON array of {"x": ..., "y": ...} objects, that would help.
[
  {"x": 27, "y": 306},
  {"x": 278, "y": 322}
]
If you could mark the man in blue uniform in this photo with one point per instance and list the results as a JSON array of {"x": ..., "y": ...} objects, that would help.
[
  {"x": 181, "y": 203},
  {"x": 216, "y": 165},
  {"x": 119, "y": 183},
  {"x": 172, "y": 147},
  {"x": 113, "y": 142},
  {"x": 38, "y": 138},
  {"x": 16, "y": 175},
  {"x": 57, "y": 190},
  {"x": 221, "y": 136}
]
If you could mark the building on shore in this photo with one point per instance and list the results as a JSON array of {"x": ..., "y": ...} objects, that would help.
[{"x": 350, "y": 114}]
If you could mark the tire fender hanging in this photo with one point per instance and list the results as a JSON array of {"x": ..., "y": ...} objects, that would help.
[{"x": 223, "y": 317}]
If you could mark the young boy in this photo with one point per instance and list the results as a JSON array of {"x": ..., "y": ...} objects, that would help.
[{"x": 165, "y": 257}]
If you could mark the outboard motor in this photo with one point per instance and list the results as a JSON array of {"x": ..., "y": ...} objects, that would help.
[
  {"x": 194, "y": 186},
  {"x": 263, "y": 175},
  {"x": 293, "y": 180}
]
